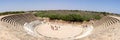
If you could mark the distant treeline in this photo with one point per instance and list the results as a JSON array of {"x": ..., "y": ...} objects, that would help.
[
  {"x": 72, "y": 15},
  {"x": 66, "y": 15},
  {"x": 69, "y": 17},
  {"x": 15, "y": 12}
]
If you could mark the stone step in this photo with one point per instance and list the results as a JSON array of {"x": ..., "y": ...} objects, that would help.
[{"x": 18, "y": 20}]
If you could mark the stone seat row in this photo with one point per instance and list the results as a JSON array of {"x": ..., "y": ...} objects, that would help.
[
  {"x": 106, "y": 21},
  {"x": 16, "y": 22},
  {"x": 19, "y": 19}
]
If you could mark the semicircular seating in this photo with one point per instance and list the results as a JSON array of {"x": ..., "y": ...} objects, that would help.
[
  {"x": 106, "y": 28},
  {"x": 106, "y": 21},
  {"x": 17, "y": 21}
]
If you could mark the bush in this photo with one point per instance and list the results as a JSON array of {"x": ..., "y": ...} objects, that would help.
[
  {"x": 68, "y": 17},
  {"x": 16, "y": 12}
]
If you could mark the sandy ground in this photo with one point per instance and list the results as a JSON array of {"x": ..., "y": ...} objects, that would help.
[
  {"x": 5, "y": 34},
  {"x": 58, "y": 31},
  {"x": 63, "y": 31}
]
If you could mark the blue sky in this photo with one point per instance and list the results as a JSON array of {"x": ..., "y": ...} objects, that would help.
[{"x": 90, "y": 5}]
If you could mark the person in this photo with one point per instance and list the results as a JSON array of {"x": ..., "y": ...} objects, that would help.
[
  {"x": 84, "y": 25},
  {"x": 52, "y": 27}
]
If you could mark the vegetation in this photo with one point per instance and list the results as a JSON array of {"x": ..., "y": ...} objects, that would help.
[
  {"x": 16, "y": 12},
  {"x": 66, "y": 15}
]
